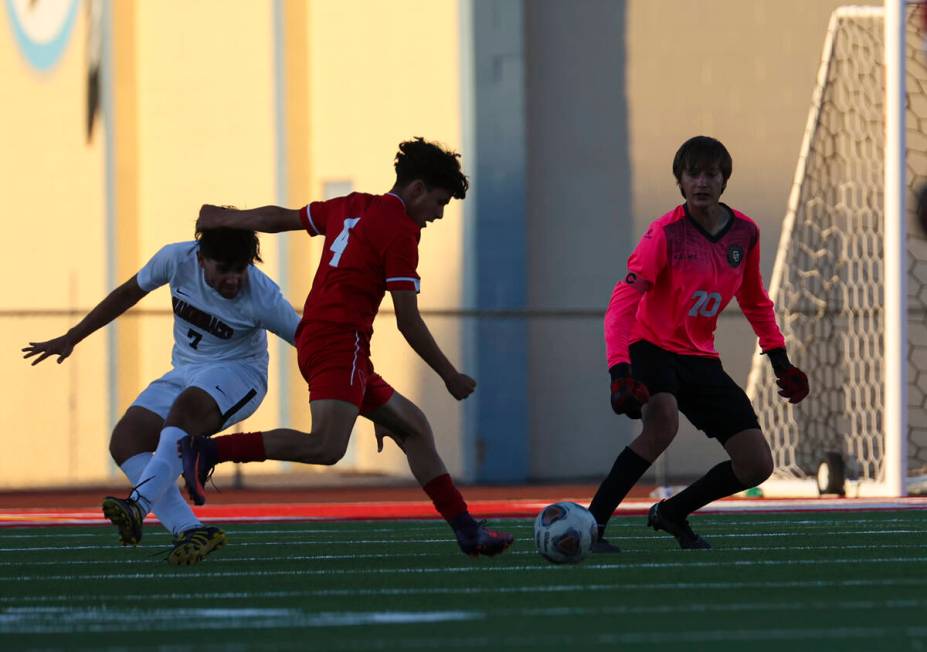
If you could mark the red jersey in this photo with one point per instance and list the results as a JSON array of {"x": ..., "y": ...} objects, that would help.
[
  {"x": 679, "y": 280},
  {"x": 371, "y": 246}
]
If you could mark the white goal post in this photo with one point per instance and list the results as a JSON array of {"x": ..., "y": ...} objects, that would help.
[{"x": 848, "y": 283}]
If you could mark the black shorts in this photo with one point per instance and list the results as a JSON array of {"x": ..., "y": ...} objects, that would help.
[{"x": 709, "y": 398}]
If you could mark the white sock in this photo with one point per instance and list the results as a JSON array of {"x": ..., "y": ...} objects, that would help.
[
  {"x": 162, "y": 470},
  {"x": 171, "y": 509}
]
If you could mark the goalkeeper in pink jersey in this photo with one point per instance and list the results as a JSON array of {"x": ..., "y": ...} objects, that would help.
[{"x": 659, "y": 337}]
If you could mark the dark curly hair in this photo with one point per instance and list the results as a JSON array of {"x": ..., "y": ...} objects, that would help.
[
  {"x": 233, "y": 247},
  {"x": 435, "y": 166},
  {"x": 700, "y": 152}
]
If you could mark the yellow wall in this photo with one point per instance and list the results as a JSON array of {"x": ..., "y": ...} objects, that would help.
[
  {"x": 375, "y": 82},
  {"x": 205, "y": 134},
  {"x": 51, "y": 181},
  {"x": 195, "y": 121}
]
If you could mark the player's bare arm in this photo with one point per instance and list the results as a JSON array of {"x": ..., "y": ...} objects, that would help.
[
  {"x": 117, "y": 302},
  {"x": 413, "y": 328},
  {"x": 266, "y": 219}
]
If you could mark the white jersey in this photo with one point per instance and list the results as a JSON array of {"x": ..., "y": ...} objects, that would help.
[{"x": 207, "y": 326}]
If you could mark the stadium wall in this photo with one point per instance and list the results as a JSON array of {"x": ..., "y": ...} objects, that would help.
[{"x": 209, "y": 106}]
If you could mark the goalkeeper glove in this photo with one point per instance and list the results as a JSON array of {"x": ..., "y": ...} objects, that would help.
[
  {"x": 628, "y": 395},
  {"x": 792, "y": 381}
]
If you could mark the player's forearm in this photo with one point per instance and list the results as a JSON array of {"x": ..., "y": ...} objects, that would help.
[
  {"x": 619, "y": 317},
  {"x": 758, "y": 309},
  {"x": 266, "y": 219},
  {"x": 116, "y": 302},
  {"x": 420, "y": 339}
]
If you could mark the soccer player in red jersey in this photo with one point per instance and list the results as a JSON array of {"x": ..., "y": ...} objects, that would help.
[
  {"x": 659, "y": 336},
  {"x": 371, "y": 246}
]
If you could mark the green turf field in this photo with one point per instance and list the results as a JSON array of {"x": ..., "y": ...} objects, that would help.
[{"x": 801, "y": 581}]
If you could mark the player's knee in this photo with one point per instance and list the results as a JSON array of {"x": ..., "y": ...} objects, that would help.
[
  {"x": 419, "y": 429},
  {"x": 662, "y": 417},
  {"x": 117, "y": 450},
  {"x": 329, "y": 454},
  {"x": 331, "y": 457},
  {"x": 121, "y": 444},
  {"x": 195, "y": 412},
  {"x": 755, "y": 471}
]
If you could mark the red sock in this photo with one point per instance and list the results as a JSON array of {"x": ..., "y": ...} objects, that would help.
[
  {"x": 241, "y": 447},
  {"x": 446, "y": 498}
]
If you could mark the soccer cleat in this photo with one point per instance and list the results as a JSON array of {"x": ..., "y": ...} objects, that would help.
[
  {"x": 193, "y": 545},
  {"x": 476, "y": 539},
  {"x": 687, "y": 539},
  {"x": 126, "y": 515},
  {"x": 198, "y": 457},
  {"x": 603, "y": 545}
]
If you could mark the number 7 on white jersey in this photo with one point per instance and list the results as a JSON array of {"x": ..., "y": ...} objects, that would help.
[{"x": 341, "y": 242}]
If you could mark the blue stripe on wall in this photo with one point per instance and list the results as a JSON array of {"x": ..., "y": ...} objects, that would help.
[{"x": 495, "y": 418}]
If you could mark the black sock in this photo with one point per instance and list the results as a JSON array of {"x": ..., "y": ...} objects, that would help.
[
  {"x": 719, "y": 482},
  {"x": 626, "y": 471}
]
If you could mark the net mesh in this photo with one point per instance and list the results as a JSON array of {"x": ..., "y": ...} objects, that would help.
[{"x": 831, "y": 284}]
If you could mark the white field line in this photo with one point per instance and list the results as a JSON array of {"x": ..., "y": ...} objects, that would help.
[
  {"x": 472, "y": 590},
  {"x": 626, "y": 522},
  {"x": 197, "y": 574},
  {"x": 643, "y": 638},
  {"x": 226, "y": 558},
  {"x": 46, "y": 620},
  {"x": 380, "y": 542},
  {"x": 63, "y": 534},
  {"x": 62, "y": 620}
]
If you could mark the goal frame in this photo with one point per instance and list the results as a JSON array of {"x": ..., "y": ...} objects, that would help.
[{"x": 893, "y": 480}]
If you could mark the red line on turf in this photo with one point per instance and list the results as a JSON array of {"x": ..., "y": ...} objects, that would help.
[{"x": 373, "y": 510}]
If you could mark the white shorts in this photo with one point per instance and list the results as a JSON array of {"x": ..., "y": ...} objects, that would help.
[{"x": 237, "y": 388}]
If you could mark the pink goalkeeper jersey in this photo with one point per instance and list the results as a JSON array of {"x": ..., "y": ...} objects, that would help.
[{"x": 679, "y": 280}]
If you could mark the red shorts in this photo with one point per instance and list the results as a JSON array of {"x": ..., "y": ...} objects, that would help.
[{"x": 335, "y": 361}]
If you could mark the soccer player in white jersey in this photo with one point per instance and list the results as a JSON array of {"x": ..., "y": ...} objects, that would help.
[{"x": 222, "y": 306}]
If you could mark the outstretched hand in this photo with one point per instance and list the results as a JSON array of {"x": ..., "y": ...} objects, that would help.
[
  {"x": 60, "y": 346},
  {"x": 460, "y": 386}
]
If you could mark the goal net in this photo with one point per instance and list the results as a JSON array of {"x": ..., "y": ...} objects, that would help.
[{"x": 829, "y": 276}]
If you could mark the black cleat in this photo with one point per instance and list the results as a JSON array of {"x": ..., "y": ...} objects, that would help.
[
  {"x": 687, "y": 539},
  {"x": 191, "y": 546},
  {"x": 126, "y": 515},
  {"x": 603, "y": 545},
  {"x": 476, "y": 539}
]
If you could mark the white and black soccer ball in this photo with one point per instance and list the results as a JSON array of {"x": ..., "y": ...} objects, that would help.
[{"x": 564, "y": 532}]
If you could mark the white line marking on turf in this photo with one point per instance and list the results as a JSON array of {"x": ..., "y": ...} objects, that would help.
[
  {"x": 470, "y": 590},
  {"x": 431, "y": 526},
  {"x": 197, "y": 574},
  {"x": 329, "y": 542},
  {"x": 46, "y": 620},
  {"x": 59, "y": 620},
  {"x": 552, "y": 640},
  {"x": 227, "y": 558}
]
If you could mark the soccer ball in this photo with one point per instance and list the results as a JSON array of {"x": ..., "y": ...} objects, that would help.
[{"x": 564, "y": 532}]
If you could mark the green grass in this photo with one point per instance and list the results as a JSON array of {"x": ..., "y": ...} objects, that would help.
[{"x": 801, "y": 581}]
